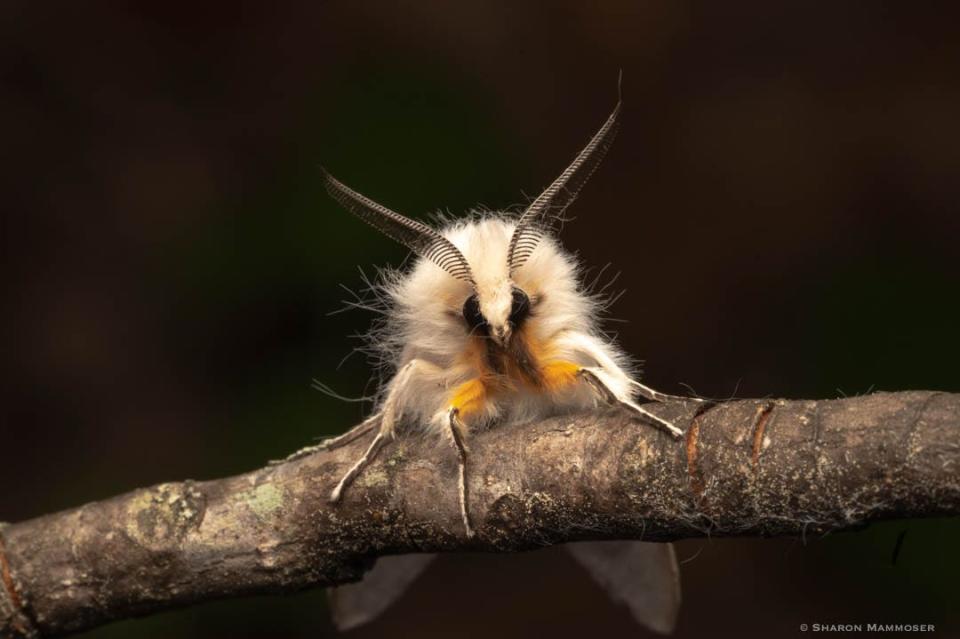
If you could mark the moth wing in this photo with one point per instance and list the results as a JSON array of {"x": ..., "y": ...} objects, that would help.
[
  {"x": 643, "y": 575},
  {"x": 358, "y": 603}
]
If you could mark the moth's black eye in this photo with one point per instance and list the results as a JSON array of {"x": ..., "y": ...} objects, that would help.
[
  {"x": 471, "y": 313},
  {"x": 520, "y": 308}
]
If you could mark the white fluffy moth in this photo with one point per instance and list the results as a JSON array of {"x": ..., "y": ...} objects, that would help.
[{"x": 491, "y": 324}]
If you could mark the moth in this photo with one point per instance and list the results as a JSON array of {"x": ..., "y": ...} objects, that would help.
[{"x": 491, "y": 324}]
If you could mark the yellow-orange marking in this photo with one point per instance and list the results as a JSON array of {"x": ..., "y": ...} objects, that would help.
[
  {"x": 560, "y": 375},
  {"x": 469, "y": 398}
]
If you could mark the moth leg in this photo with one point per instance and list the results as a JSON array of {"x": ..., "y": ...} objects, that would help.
[
  {"x": 561, "y": 374},
  {"x": 657, "y": 396},
  {"x": 337, "y": 441},
  {"x": 594, "y": 349},
  {"x": 387, "y": 418},
  {"x": 466, "y": 400},
  {"x": 347, "y": 479},
  {"x": 595, "y": 378},
  {"x": 355, "y": 433},
  {"x": 457, "y": 431}
]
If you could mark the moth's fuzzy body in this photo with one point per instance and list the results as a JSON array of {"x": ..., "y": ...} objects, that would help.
[
  {"x": 490, "y": 323},
  {"x": 425, "y": 323}
]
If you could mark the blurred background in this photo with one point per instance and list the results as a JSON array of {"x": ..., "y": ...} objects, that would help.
[{"x": 781, "y": 204}]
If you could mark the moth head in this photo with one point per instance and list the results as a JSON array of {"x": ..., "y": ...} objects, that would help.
[
  {"x": 499, "y": 302},
  {"x": 497, "y": 311}
]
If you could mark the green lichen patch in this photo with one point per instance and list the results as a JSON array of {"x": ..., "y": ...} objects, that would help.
[
  {"x": 165, "y": 513},
  {"x": 264, "y": 500}
]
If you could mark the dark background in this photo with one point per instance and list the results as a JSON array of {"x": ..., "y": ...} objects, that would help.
[{"x": 782, "y": 203}]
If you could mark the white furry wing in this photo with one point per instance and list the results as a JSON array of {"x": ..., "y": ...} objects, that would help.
[
  {"x": 358, "y": 603},
  {"x": 643, "y": 575}
]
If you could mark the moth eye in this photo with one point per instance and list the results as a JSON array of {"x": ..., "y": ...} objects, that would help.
[
  {"x": 520, "y": 308},
  {"x": 471, "y": 313}
]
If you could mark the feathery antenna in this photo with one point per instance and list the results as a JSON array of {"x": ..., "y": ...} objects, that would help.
[
  {"x": 416, "y": 236},
  {"x": 537, "y": 220}
]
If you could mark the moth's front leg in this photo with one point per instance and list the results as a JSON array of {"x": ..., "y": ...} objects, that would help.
[
  {"x": 466, "y": 401},
  {"x": 605, "y": 388},
  {"x": 561, "y": 375},
  {"x": 594, "y": 349},
  {"x": 388, "y": 416}
]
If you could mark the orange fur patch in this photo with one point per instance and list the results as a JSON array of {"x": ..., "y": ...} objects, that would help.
[
  {"x": 469, "y": 398},
  {"x": 559, "y": 375}
]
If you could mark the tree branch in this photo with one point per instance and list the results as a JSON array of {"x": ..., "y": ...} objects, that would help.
[{"x": 751, "y": 467}]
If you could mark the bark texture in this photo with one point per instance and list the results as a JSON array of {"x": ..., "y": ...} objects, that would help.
[{"x": 746, "y": 467}]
